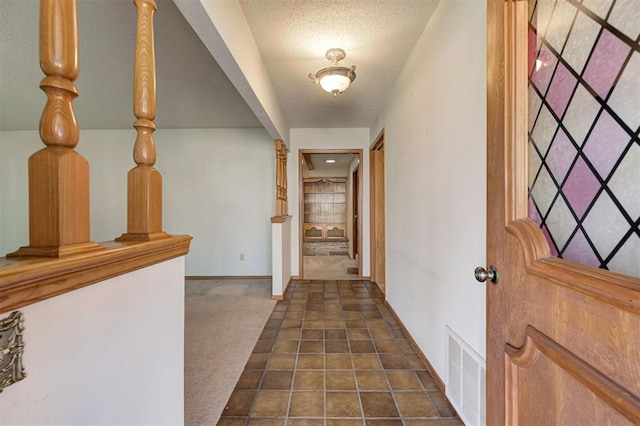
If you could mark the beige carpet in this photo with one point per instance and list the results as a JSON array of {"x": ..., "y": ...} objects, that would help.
[{"x": 223, "y": 320}]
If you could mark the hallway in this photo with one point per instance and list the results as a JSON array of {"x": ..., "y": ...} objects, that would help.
[{"x": 332, "y": 353}]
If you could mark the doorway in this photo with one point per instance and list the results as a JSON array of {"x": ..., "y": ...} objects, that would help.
[
  {"x": 378, "y": 224},
  {"x": 330, "y": 195}
]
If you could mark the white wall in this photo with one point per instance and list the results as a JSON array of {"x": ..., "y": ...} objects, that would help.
[
  {"x": 357, "y": 138},
  {"x": 281, "y": 266},
  {"x": 435, "y": 181},
  {"x": 218, "y": 186},
  {"x": 109, "y": 353}
]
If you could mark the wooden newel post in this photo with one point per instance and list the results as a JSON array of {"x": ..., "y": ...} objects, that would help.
[
  {"x": 144, "y": 182},
  {"x": 58, "y": 175},
  {"x": 281, "y": 178}
]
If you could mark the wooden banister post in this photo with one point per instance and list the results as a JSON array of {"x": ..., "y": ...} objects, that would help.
[
  {"x": 58, "y": 175},
  {"x": 285, "y": 203},
  {"x": 280, "y": 228},
  {"x": 144, "y": 182},
  {"x": 281, "y": 178}
]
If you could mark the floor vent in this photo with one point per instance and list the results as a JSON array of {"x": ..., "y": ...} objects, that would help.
[{"x": 466, "y": 381}]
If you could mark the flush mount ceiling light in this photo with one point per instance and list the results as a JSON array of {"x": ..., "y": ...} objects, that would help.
[
  {"x": 329, "y": 161},
  {"x": 334, "y": 79}
]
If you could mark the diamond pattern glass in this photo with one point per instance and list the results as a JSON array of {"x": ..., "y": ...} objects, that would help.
[{"x": 584, "y": 119}]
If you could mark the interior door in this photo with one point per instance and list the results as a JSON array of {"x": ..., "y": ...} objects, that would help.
[{"x": 563, "y": 337}]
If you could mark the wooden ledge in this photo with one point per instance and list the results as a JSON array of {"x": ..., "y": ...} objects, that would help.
[
  {"x": 27, "y": 281},
  {"x": 280, "y": 219}
]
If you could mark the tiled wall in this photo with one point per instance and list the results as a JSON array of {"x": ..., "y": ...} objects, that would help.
[{"x": 584, "y": 115}]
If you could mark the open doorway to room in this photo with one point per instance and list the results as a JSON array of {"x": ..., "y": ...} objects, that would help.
[{"x": 330, "y": 203}]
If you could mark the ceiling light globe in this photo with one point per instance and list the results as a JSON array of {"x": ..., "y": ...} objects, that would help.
[{"x": 335, "y": 83}]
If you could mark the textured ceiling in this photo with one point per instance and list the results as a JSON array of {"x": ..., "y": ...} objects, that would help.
[
  {"x": 320, "y": 167},
  {"x": 293, "y": 36},
  {"x": 193, "y": 92}
]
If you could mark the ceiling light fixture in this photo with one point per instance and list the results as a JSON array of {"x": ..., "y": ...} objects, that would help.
[
  {"x": 334, "y": 79},
  {"x": 330, "y": 161}
]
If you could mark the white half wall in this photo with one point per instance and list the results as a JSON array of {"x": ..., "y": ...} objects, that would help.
[
  {"x": 435, "y": 153},
  {"x": 110, "y": 353},
  {"x": 218, "y": 186},
  {"x": 281, "y": 243},
  {"x": 355, "y": 138}
]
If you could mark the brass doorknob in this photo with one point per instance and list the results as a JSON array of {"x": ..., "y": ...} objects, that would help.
[{"x": 482, "y": 274}]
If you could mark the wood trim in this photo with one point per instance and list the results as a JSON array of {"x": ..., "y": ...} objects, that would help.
[
  {"x": 415, "y": 346},
  {"x": 307, "y": 160},
  {"x": 226, "y": 277},
  {"x": 378, "y": 141},
  {"x": 496, "y": 180},
  {"x": 280, "y": 219},
  {"x": 377, "y": 210},
  {"x": 27, "y": 281},
  {"x": 516, "y": 45},
  {"x": 301, "y": 152},
  {"x": 618, "y": 398},
  {"x": 325, "y": 179},
  {"x": 612, "y": 288}
]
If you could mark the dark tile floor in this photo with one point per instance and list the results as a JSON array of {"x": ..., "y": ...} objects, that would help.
[{"x": 332, "y": 354}]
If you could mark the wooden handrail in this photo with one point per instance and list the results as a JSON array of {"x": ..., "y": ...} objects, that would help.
[
  {"x": 144, "y": 182},
  {"x": 27, "y": 281},
  {"x": 58, "y": 175}
]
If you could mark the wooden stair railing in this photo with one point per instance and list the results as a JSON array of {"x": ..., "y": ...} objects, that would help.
[
  {"x": 60, "y": 256},
  {"x": 281, "y": 182},
  {"x": 144, "y": 182},
  {"x": 58, "y": 175}
]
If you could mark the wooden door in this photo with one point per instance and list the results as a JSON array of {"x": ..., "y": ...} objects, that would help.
[
  {"x": 377, "y": 200},
  {"x": 563, "y": 338}
]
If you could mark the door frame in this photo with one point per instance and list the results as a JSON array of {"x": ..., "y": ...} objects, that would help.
[
  {"x": 355, "y": 210},
  {"x": 377, "y": 222},
  {"x": 301, "y": 153}
]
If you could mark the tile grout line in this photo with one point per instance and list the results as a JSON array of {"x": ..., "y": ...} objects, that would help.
[
  {"x": 295, "y": 364},
  {"x": 324, "y": 359},
  {"x": 326, "y": 306},
  {"x": 353, "y": 369}
]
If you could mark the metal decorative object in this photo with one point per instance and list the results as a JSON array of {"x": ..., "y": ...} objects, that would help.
[{"x": 11, "y": 350}]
